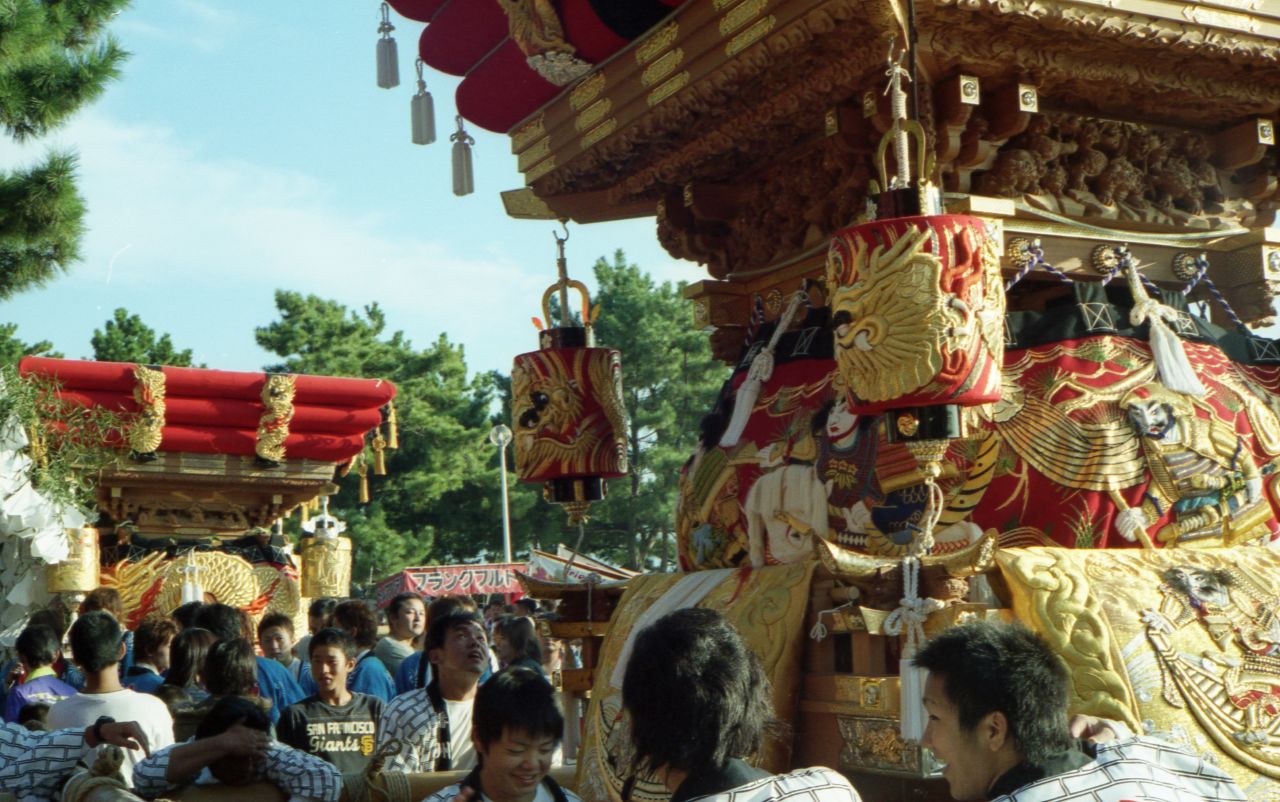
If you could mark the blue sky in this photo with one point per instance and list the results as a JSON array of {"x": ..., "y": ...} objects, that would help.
[{"x": 247, "y": 149}]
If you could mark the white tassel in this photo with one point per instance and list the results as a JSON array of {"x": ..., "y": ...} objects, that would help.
[
  {"x": 388, "y": 60},
  {"x": 464, "y": 182},
  {"x": 744, "y": 403},
  {"x": 908, "y": 621},
  {"x": 422, "y": 112},
  {"x": 1172, "y": 365}
]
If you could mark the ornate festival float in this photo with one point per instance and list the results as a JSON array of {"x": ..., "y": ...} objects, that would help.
[
  {"x": 207, "y": 465},
  {"x": 990, "y": 276}
]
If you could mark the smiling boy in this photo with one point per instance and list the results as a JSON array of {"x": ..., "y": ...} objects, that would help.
[
  {"x": 335, "y": 724},
  {"x": 516, "y": 727}
]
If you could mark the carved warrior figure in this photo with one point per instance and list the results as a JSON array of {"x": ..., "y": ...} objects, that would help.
[
  {"x": 1199, "y": 467},
  {"x": 1233, "y": 689}
]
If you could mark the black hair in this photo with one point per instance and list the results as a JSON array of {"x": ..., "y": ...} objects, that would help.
[
  {"x": 987, "y": 666},
  {"x": 151, "y": 635},
  {"x": 187, "y": 655},
  {"x": 38, "y": 646},
  {"x": 222, "y": 620},
  {"x": 516, "y": 699},
  {"x": 528, "y": 603},
  {"x": 439, "y": 629},
  {"x": 448, "y": 605},
  {"x": 275, "y": 620},
  {"x": 332, "y": 636},
  {"x": 358, "y": 618},
  {"x": 521, "y": 633},
  {"x": 393, "y": 609},
  {"x": 697, "y": 696},
  {"x": 107, "y": 599},
  {"x": 231, "y": 668},
  {"x": 230, "y": 711},
  {"x": 185, "y": 614},
  {"x": 34, "y": 716},
  {"x": 95, "y": 641},
  {"x": 322, "y": 608}
]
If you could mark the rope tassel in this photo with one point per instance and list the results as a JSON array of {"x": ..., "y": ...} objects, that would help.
[
  {"x": 422, "y": 112},
  {"x": 464, "y": 182},
  {"x": 1172, "y": 364},
  {"x": 388, "y": 59}
]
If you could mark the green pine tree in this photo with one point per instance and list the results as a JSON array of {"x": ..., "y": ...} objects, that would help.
[
  {"x": 125, "y": 338},
  {"x": 54, "y": 58},
  {"x": 12, "y": 348}
]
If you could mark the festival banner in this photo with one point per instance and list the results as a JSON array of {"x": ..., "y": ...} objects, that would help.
[{"x": 452, "y": 580}]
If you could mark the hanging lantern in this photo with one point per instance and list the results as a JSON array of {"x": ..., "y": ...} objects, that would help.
[
  {"x": 78, "y": 573},
  {"x": 464, "y": 182},
  {"x": 422, "y": 112},
  {"x": 566, "y": 404},
  {"x": 326, "y": 557},
  {"x": 388, "y": 60}
]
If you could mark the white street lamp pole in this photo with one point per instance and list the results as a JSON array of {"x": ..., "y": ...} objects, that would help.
[{"x": 500, "y": 436}]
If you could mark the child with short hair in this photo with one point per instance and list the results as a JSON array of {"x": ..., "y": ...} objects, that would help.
[
  {"x": 335, "y": 724},
  {"x": 151, "y": 654},
  {"x": 275, "y": 636},
  {"x": 38, "y": 649}
]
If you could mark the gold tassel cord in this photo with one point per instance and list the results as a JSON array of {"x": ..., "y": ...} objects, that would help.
[
  {"x": 379, "y": 446},
  {"x": 393, "y": 427},
  {"x": 363, "y": 470}
]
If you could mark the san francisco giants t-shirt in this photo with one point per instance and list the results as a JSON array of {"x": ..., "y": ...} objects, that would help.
[{"x": 344, "y": 736}]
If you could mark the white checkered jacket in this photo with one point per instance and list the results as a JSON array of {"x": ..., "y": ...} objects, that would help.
[
  {"x": 34, "y": 765},
  {"x": 410, "y": 719},
  {"x": 298, "y": 774},
  {"x": 1134, "y": 770},
  {"x": 811, "y": 785}
]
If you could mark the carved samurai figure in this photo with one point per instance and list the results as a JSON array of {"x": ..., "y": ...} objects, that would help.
[{"x": 1200, "y": 468}]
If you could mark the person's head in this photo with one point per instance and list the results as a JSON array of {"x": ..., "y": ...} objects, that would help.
[
  {"x": 275, "y": 636},
  {"x": 516, "y": 638},
  {"x": 187, "y": 655},
  {"x": 448, "y": 605},
  {"x": 696, "y": 695},
  {"x": 996, "y": 696},
  {"x": 107, "y": 599},
  {"x": 223, "y": 620},
  {"x": 185, "y": 616},
  {"x": 96, "y": 641},
  {"x": 231, "y": 669},
  {"x": 53, "y": 617},
  {"x": 515, "y": 726},
  {"x": 38, "y": 646},
  {"x": 493, "y": 610},
  {"x": 407, "y": 616},
  {"x": 319, "y": 614},
  {"x": 34, "y": 716},
  {"x": 358, "y": 620},
  {"x": 333, "y": 657},
  {"x": 153, "y": 641},
  {"x": 525, "y": 606},
  {"x": 224, "y": 715},
  {"x": 456, "y": 645}
]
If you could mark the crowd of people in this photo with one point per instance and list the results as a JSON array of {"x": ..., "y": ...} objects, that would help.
[{"x": 202, "y": 697}]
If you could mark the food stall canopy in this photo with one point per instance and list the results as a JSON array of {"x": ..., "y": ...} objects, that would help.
[{"x": 452, "y": 580}]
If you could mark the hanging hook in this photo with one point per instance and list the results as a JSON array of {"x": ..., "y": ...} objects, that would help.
[{"x": 564, "y": 226}]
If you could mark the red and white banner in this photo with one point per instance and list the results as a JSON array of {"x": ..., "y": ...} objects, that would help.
[{"x": 452, "y": 580}]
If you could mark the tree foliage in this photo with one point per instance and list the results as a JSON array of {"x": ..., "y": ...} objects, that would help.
[
  {"x": 12, "y": 348},
  {"x": 54, "y": 58},
  {"x": 125, "y": 338}
]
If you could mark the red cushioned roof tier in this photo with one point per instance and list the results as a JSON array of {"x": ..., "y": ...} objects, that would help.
[
  {"x": 417, "y": 10},
  {"x": 217, "y": 412},
  {"x": 461, "y": 34},
  {"x": 502, "y": 90}
]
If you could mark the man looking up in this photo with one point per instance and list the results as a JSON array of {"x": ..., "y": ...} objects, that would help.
[
  {"x": 516, "y": 727},
  {"x": 335, "y": 724},
  {"x": 433, "y": 723},
  {"x": 996, "y": 699},
  {"x": 98, "y": 647},
  {"x": 407, "y": 618},
  {"x": 274, "y": 681}
]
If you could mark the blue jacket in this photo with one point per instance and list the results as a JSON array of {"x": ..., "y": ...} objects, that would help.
[{"x": 277, "y": 684}]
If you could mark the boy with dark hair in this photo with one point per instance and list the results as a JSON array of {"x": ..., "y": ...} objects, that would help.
[
  {"x": 370, "y": 676},
  {"x": 38, "y": 649},
  {"x": 274, "y": 680},
  {"x": 335, "y": 724},
  {"x": 318, "y": 616},
  {"x": 433, "y": 724},
  {"x": 97, "y": 646},
  {"x": 275, "y": 636},
  {"x": 233, "y": 746},
  {"x": 515, "y": 729},
  {"x": 151, "y": 654},
  {"x": 996, "y": 699}
]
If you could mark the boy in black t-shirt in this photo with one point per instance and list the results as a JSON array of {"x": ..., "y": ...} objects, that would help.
[{"x": 335, "y": 724}]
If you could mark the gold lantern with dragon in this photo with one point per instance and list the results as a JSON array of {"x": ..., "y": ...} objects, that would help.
[{"x": 566, "y": 405}]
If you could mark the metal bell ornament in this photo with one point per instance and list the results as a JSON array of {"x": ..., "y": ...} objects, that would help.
[
  {"x": 388, "y": 60},
  {"x": 566, "y": 404},
  {"x": 464, "y": 181},
  {"x": 422, "y": 112}
]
